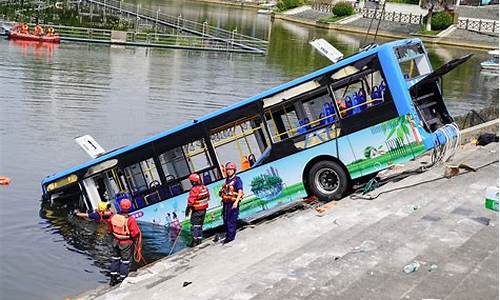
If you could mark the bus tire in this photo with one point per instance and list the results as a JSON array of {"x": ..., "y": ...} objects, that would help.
[{"x": 327, "y": 180}]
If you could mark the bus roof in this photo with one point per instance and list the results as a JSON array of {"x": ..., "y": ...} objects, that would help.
[{"x": 346, "y": 61}]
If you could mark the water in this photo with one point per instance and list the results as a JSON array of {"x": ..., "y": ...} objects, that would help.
[{"x": 49, "y": 95}]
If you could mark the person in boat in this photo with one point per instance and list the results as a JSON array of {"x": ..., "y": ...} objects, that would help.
[
  {"x": 38, "y": 30},
  {"x": 196, "y": 207},
  {"x": 231, "y": 194},
  {"x": 50, "y": 31},
  {"x": 25, "y": 28},
  {"x": 101, "y": 214},
  {"x": 126, "y": 234}
]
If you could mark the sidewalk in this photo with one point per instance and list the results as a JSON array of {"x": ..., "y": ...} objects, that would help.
[
  {"x": 356, "y": 250},
  {"x": 397, "y": 30}
]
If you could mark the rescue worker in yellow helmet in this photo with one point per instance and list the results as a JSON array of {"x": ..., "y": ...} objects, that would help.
[
  {"x": 50, "y": 31},
  {"x": 196, "y": 208},
  {"x": 101, "y": 214},
  {"x": 231, "y": 194}
]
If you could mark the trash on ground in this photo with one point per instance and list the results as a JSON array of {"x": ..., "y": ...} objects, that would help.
[
  {"x": 433, "y": 267},
  {"x": 186, "y": 283},
  {"x": 322, "y": 209},
  {"x": 491, "y": 198},
  {"x": 413, "y": 207},
  {"x": 454, "y": 170},
  {"x": 486, "y": 138},
  {"x": 411, "y": 267}
]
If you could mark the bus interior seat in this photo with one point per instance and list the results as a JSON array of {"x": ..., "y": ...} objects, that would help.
[{"x": 304, "y": 126}]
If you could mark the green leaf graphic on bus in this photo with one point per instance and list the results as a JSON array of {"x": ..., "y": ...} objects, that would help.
[{"x": 267, "y": 186}]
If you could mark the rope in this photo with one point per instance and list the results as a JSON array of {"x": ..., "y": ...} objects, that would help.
[
  {"x": 138, "y": 250},
  {"x": 175, "y": 243}
]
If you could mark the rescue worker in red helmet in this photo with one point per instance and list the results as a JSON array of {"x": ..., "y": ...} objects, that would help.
[
  {"x": 125, "y": 231},
  {"x": 231, "y": 194},
  {"x": 196, "y": 208}
]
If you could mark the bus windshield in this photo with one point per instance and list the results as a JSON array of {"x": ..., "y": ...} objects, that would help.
[{"x": 412, "y": 61}]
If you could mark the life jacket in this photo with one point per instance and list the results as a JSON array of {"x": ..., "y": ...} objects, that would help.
[
  {"x": 202, "y": 198},
  {"x": 50, "y": 31},
  {"x": 227, "y": 193},
  {"x": 119, "y": 225}
]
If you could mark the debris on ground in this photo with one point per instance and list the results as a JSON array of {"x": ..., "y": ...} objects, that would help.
[
  {"x": 491, "y": 198},
  {"x": 411, "y": 267},
  {"x": 322, "y": 209}
]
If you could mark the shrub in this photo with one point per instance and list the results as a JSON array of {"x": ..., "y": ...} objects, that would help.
[
  {"x": 441, "y": 20},
  {"x": 288, "y": 4},
  {"x": 342, "y": 8}
]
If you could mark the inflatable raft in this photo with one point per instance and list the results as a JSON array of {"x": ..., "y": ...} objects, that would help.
[{"x": 31, "y": 37}]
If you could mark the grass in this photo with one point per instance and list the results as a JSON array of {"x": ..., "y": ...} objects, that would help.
[
  {"x": 431, "y": 32},
  {"x": 330, "y": 19}
]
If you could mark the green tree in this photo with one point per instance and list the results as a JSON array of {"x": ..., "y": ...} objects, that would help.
[{"x": 431, "y": 6}]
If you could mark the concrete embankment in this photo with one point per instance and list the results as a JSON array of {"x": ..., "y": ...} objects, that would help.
[
  {"x": 357, "y": 249},
  {"x": 393, "y": 30}
]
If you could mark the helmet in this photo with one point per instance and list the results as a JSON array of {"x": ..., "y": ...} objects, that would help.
[
  {"x": 231, "y": 166},
  {"x": 195, "y": 178},
  {"x": 125, "y": 204},
  {"x": 102, "y": 206}
]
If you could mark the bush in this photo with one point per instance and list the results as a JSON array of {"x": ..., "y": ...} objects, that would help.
[
  {"x": 288, "y": 4},
  {"x": 343, "y": 8},
  {"x": 441, "y": 20}
]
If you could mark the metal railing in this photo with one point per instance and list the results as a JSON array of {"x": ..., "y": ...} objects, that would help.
[
  {"x": 184, "y": 25},
  {"x": 398, "y": 17},
  {"x": 480, "y": 25}
]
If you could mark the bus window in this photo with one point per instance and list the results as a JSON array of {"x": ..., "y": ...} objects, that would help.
[
  {"x": 306, "y": 120},
  {"x": 135, "y": 177},
  {"x": 241, "y": 142},
  {"x": 359, "y": 88},
  {"x": 200, "y": 162},
  {"x": 175, "y": 167}
]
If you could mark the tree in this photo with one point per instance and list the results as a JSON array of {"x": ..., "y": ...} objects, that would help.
[{"x": 432, "y": 5}]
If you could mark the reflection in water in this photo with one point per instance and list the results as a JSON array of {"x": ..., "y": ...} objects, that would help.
[
  {"x": 36, "y": 49},
  {"x": 120, "y": 95}
]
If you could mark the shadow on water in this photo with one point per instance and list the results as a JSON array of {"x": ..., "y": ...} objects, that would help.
[{"x": 93, "y": 240}]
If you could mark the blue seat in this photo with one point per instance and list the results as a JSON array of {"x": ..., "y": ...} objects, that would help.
[
  {"x": 176, "y": 189},
  {"x": 348, "y": 104},
  {"x": 303, "y": 126},
  {"x": 382, "y": 87},
  {"x": 329, "y": 112},
  {"x": 355, "y": 101}
]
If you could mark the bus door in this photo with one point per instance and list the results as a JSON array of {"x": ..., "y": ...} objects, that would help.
[{"x": 428, "y": 99}]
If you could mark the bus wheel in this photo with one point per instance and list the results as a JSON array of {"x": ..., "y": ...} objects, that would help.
[{"x": 327, "y": 180}]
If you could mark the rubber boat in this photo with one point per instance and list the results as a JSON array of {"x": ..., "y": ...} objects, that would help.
[
  {"x": 31, "y": 37},
  {"x": 491, "y": 64}
]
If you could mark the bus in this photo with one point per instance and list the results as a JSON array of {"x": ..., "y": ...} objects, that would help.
[{"x": 312, "y": 136}]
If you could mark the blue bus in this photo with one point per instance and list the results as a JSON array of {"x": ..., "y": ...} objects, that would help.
[{"x": 312, "y": 136}]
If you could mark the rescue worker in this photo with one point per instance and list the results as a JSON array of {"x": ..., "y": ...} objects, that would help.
[
  {"x": 25, "y": 28},
  {"x": 38, "y": 30},
  {"x": 126, "y": 233},
  {"x": 50, "y": 31},
  {"x": 101, "y": 214},
  {"x": 196, "y": 208},
  {"x": 231, "y": 194}
]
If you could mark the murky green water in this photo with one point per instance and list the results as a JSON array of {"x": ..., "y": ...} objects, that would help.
[{"x": 52, "y": 94}]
